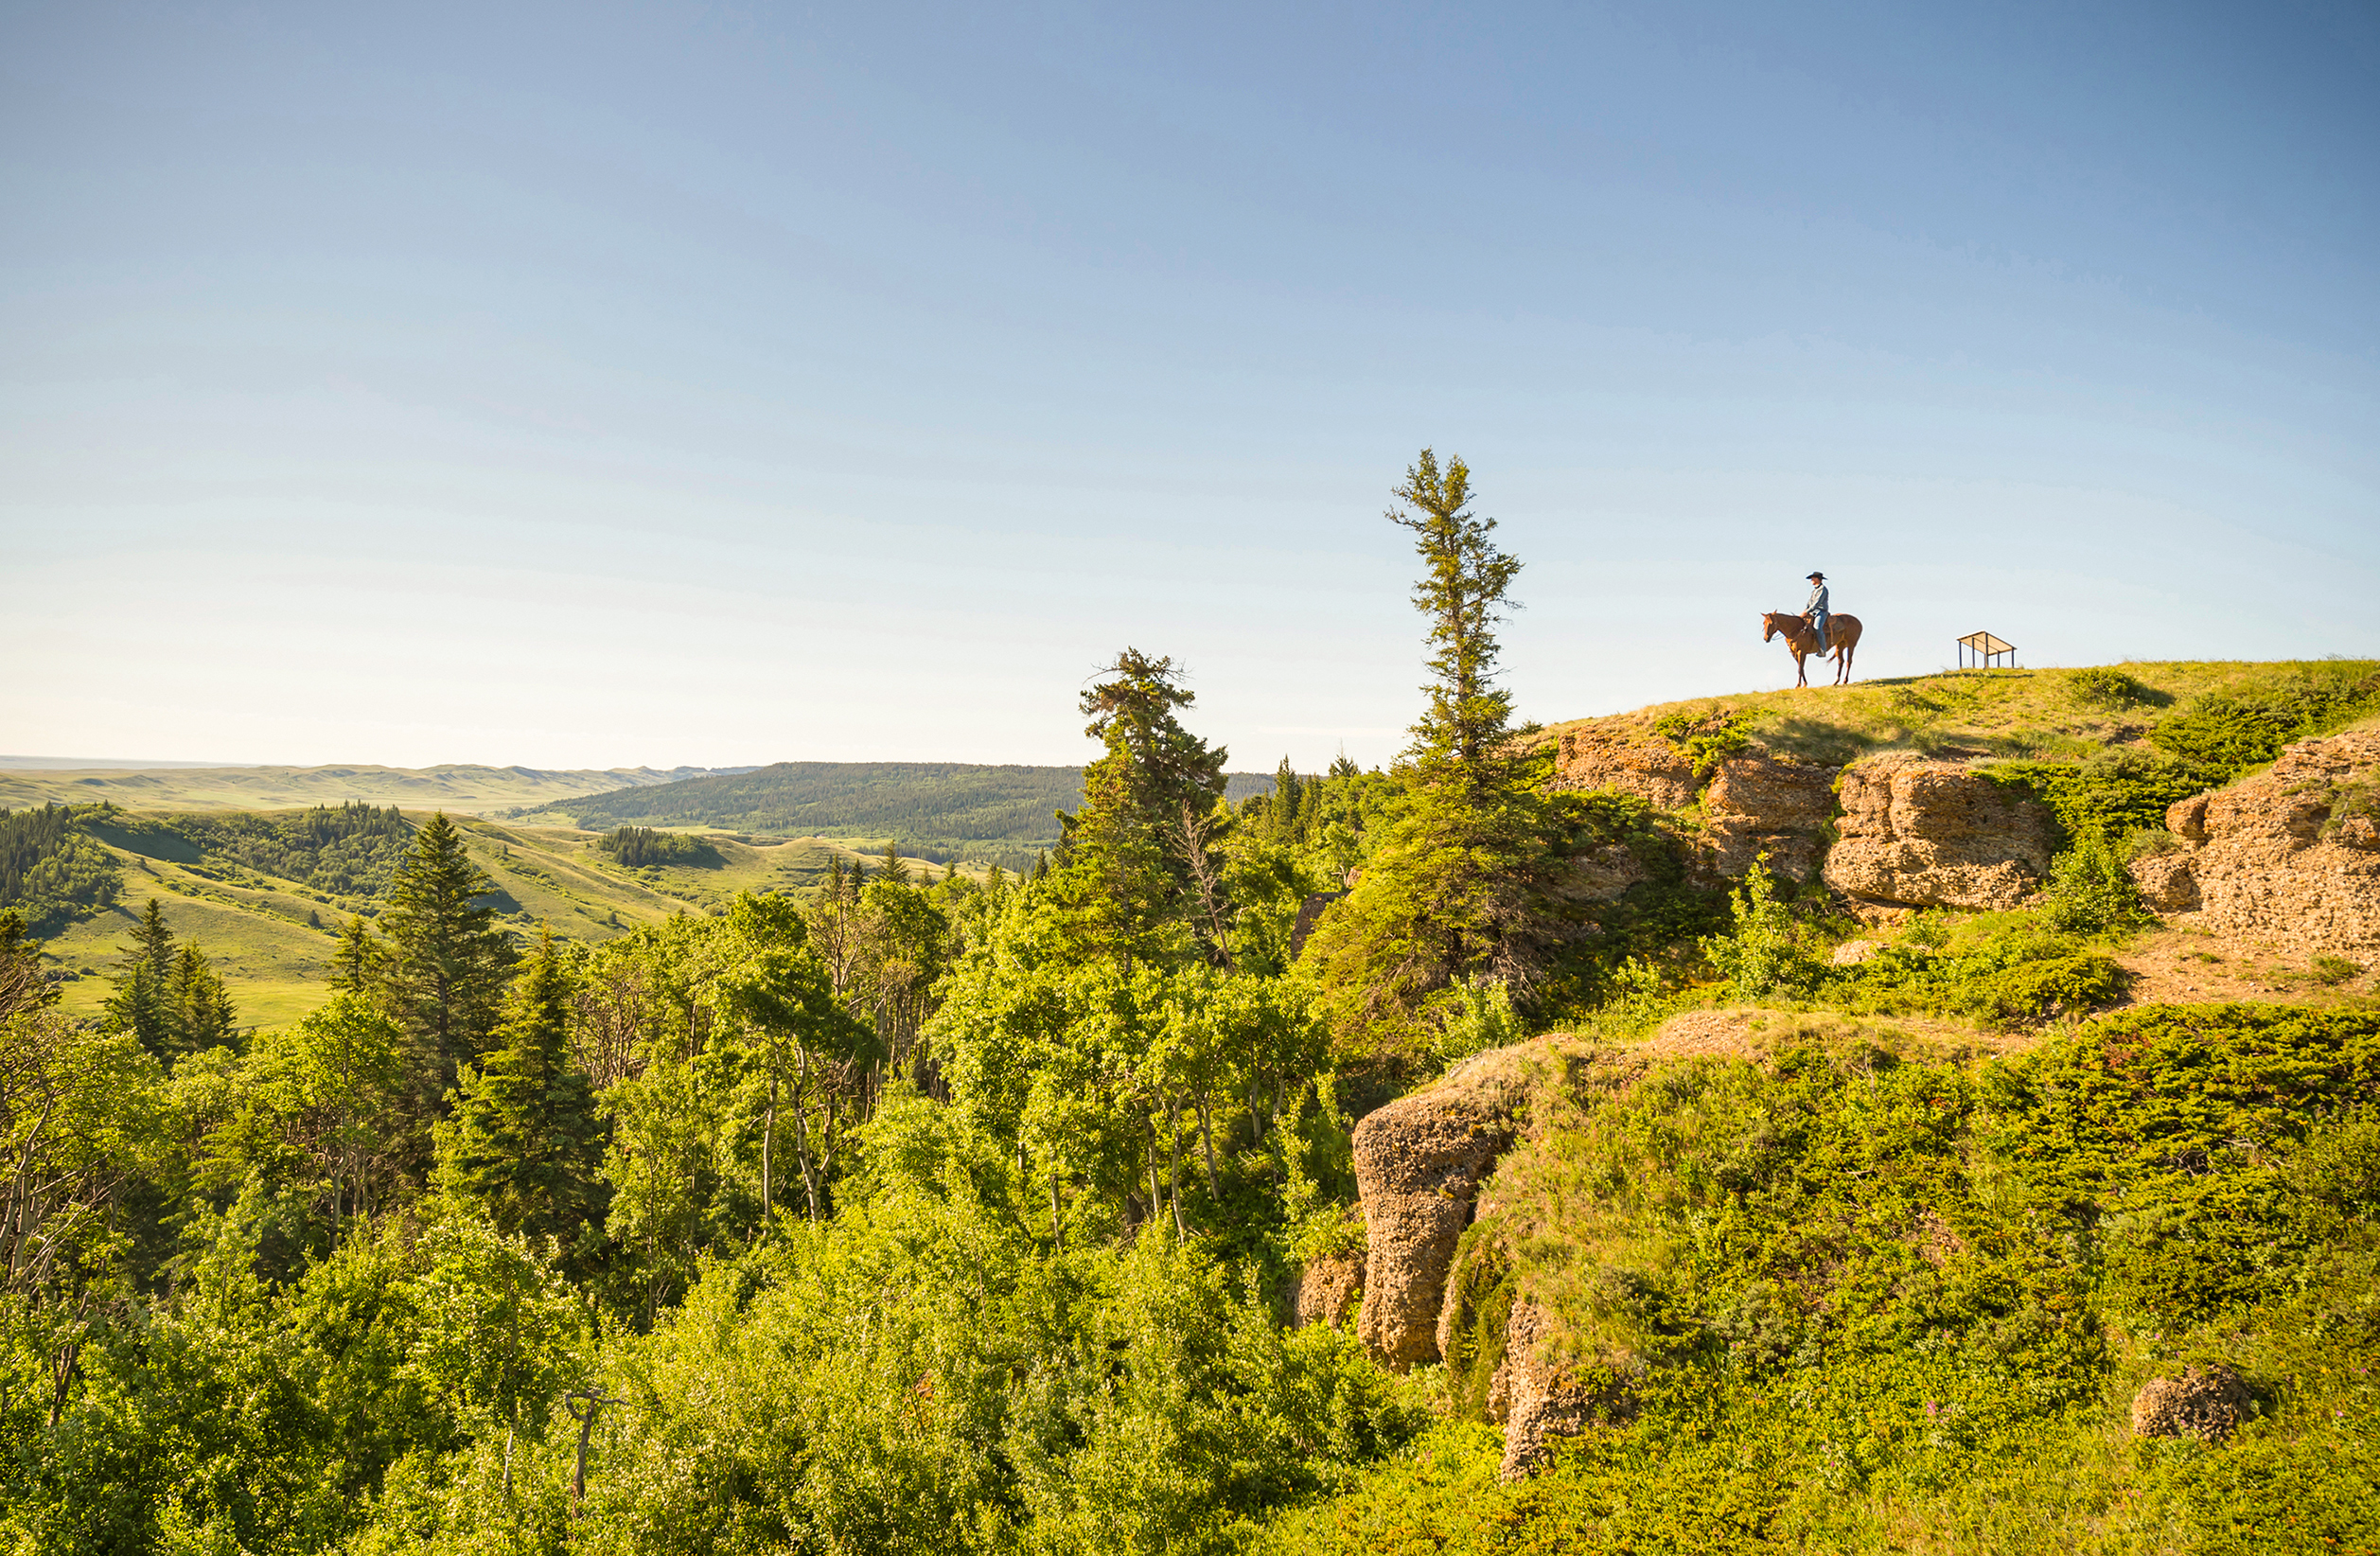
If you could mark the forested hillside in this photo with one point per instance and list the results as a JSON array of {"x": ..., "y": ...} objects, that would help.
[
  {"x": 1557, "y": 1141},
  {"x": 940, "y": 810}
]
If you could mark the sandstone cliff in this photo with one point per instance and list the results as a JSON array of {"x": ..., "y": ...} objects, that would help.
[{"x": 2292, "y": 855}]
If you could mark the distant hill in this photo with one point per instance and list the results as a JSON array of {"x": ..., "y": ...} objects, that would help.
[
  {"x": 461, "y": 789},
  {"x": 939, "y": 809}
]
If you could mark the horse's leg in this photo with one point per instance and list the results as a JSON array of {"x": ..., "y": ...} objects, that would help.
[{"x": 1801, "y": 669}]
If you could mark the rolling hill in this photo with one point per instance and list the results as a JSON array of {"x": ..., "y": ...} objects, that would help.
[
  {"x": 941, "y": 809},
  {"x": 458, "y": 788}
]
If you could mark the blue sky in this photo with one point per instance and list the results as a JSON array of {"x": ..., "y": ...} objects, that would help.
[{"x": 601, "y": 384}]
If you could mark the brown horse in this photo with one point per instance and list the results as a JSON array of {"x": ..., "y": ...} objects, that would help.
[{"x": 1843, "y": 635}]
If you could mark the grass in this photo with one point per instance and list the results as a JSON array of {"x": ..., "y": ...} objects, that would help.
[{"x": 2045, "y": 714}]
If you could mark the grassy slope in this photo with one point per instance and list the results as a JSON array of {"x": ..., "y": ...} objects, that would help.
[
  {"x": 459, "y": 789},
  {"x": 969, "y": 809},
  {"x": 257, "y": 929},
  {"x": 2031, "y": 713}
]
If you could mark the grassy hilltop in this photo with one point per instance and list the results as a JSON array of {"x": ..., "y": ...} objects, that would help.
[{"x": 2145, "y": 708}]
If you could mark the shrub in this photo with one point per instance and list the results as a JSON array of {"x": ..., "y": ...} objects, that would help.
[
  {"x": 2109, "y": 690},
  {"x": 1766, "y": 954},
  {"x": 1707, "y": 741},
  {"x": 2360, "y": 799},
  {"x": 2117, "y": 794},
  {"x": 2090, "y": 891},
  {"x": 2235, "y": 731},
  {"x": 2032, "y": 990}
]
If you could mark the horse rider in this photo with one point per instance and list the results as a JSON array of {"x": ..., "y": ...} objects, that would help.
[{"x": 1815, "y": 612}]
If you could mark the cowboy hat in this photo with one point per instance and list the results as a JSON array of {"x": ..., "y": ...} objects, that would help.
[{"x": 1821, "y": 577}]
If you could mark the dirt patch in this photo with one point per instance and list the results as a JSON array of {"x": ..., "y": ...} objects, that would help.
[{"x": 2185, "y": 963}]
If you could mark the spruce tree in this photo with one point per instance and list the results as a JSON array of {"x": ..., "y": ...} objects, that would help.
[
  {"x": 201, "y": 1007},
  {"x": 446, "y": 959},
  {"x": 526, "y": 1143},
  {"x": 1280, "y": 815},
  {"x": 142, "y": 1003},
  {"x": 1463, "y": 883},
  {"x": 356, "y": 964},
  {"x": 1139, "y": 856}
]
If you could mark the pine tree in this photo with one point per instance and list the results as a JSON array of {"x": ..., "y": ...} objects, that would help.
[
  {"x": 526, "y": 1143},
  {"x": 1139, "y": 856},
  {"x": 356, "y": 964},
  {"x": 201, "y": 1007},
  {"x": 446, "y": 959},
  {"x": 1463, "y": 885},
  {"x": 1462, "y": 592},
  {"x": 1281, "y": 814},
  {"x": 142, "y": 1003}
]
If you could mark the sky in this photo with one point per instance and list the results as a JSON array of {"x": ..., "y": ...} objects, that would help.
[{"x": 593, "y": 384}]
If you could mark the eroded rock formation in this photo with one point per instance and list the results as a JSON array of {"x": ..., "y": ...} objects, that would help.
[
  {"x": 2207, "y": 1402},
  {"x": 1758, "y": 805},
  {"x": 1328, "y": 1287},
  {"x": 1419, "y": 1162},
  {"x": 2292, "y": 855},
  {"x": 1917, "y": 833},
  {"x": 1645, "y": 766}
]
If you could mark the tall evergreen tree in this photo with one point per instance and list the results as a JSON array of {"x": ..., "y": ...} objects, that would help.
[
  {"x": 1280, "y": 813},
  {"x": 1463, "y": 593},
  {"x": 1463, "y": 884},
  {"x": 526, "y": 1143},
  {"x": 447, "y": 959},
  {"x": 142, "y": 1003},
  {"x": 201, "y": 1007},
  {"x": 1139, "y": 856},
  {"x": 356, "y": 966}
]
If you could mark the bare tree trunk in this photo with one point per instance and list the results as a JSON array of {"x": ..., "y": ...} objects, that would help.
[
  {"x": 767, "y": 1150},
  {"x": 1206, "y": 1139}
]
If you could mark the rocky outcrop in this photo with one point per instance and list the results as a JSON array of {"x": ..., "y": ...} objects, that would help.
[
  {"x": 2205, "y": 1402},
  {"x": 1328, "y": 1287},
  {"x": 1646, "y": 767},
  {"x": 1924, "y": 834},
  {"x": 1419, "y": 1162},
  {"x": 1539, "y": 1400},
  {"x": 1767, "y": 804},
  {"x": 2291, "y": 856}
]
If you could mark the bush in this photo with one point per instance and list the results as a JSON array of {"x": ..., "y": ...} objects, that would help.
[
  {"x": 2119, "y": 794},
  {"x": 2032, "y": 990},
  {"x": 2148, "y": 842},
  {"x": 2090, "y": 891},
  {"x": 2109, "y": 690},
  {"x": 2235, "y": 731},
  {"x": 1765, "y": 956}
]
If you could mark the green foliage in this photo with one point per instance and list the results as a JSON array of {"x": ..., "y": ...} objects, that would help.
[
  {"x": 2089, "y": 892},
  {"x": 2116, "y": 795},
  {"x": 524, "y": 1144},
  {"x": 638, "y": 846},
  {"x": 2239, "y": 730},
  {"x": 2005, "y": 969},
  {"x": 447, "y": 962},
  {"x": 1462, "y": 594},
  {"x": 2336, "y": 969},
  {"x": 166, "y": 997},
  {"x": 1706, "y": 741},
  {"x": 2352, "y": 802},
  {"x": 1864, "y": 1303},
  {"x": 2105, "y": 689},
  {"x": 1767, "y": 955},
  {"x": 49, "y": 871},
  {"x": 349, "y": 849}
]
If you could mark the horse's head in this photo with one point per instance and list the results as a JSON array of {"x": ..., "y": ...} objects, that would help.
[{"x": 1768, "y": 625}]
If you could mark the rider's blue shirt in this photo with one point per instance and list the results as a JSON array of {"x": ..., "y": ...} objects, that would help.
[{"x": 1817, "y": 600}]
